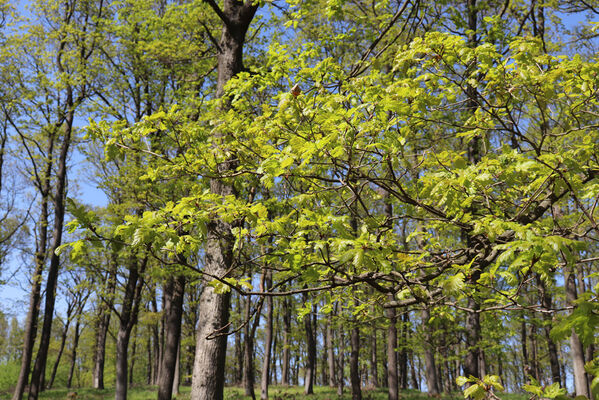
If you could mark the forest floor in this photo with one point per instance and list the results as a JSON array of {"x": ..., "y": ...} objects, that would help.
[{"x": 236, "y": 393}]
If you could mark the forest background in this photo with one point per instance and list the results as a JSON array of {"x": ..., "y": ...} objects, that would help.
[{"x": 336, "y": 193}]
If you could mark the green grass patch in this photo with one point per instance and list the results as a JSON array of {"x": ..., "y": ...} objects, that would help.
[{"x": 236, "y": 393}]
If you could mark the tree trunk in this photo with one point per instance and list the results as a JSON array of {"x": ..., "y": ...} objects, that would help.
[
  {"x": 177, "y": 378},
  {"x": 330, "y": 352},
  {"x": 392, "y": 375},
  {"x": 248, "y": 352},
  {"x": 403, "y": 354},
  {"x": 238, "y": 379},
  {"x": 374, "y": 361},
  {"x": 103, "y": 323},
  {"x": 63, "y": 340},
  {"x": 174, "y": 291},
  {"x": 132, "y": 358},
  {"x": 128, "y": 318},
  {"x": 546, "y": 302},
  {"x": 432, "y": 380},
  {"x": 31, "y": 323},
  {"x": 52, "y": 277},
  {"x": 581, "y": 384},
  {"x": 354, "y": 367},
  {"x": 209, "y": 364},
  {"x": 74, "y": 352},
  {"x": 341, "y": 357},
  {"x": 267, "y": 340},
  {"x": 310, "y": 368},
  {"x": 286, "y": 338}
]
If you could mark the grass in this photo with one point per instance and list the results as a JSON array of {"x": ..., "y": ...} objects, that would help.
[{"x": 236, "y": 393}]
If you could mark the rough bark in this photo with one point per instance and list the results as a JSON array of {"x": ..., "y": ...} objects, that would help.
[
  {"x": 174, "y": 292},
  {"x": 209, "y": 363}
]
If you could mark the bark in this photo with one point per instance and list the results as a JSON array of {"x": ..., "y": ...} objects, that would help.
[
  {"x": 392, "y": 373},
  {"x": 285, "y": 370},
  {"x": 354, "y": 371},
  {"x": 310, "y": 368},
  {"x": 248, "y": 352},
  {"x": 552, "y": 351},
  {"x": 174, "y": 292},
  {"x": 77, "y": 334},
  {"x": 209, "y": 364},
  {"x": 177, "y": 378},
  {"x": 581, "y": 383},
  {"x": 132, "y": 357},
  {"x": 127, "y": 319},
  {"x": 472, "y": 327},
  {"x": 238, "y": 378},
  {"x": 52, "y": 277},
  {"x": 403, "y": 354},
  {"x": 341, "y": 367},
  {"x": 432, "y": 381},
  {"x": 524, "y": 344},
  {"x": 36, "y": 283},
  {"x": 267, "y": 340}
]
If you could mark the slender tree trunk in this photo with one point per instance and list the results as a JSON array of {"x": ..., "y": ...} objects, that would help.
[
  {"x": 209, "y": 365},
  {"x": 374, "y": 360},
  {"x": 552, "y": 351},
  {"x": 403, "y": 354},
  {"x": 36, "y": 283},
  {"x": 238, "y": 350},
  {"x": 429, "y": 355},
  {"x": 285, "y": 370},
  {"x": 77, "y": 334},
  {"x": 174, "y": 292},
  {"x": 330, "y": 352},
  {"x": 128, "y": 318},
  {"x": 310, "y": 368},
  {"x": 52, "y": 277},
  {"x": 248, "y": 352},
  {"x": 341, "y": 357},
  {"x": 267, "y": 340},
  {"x": 354, "y": 367},
  {"x": 581, "y": 384},
  {"x": 392, "y": 373},
  {"x": 63, "y": 340},
  {"x": 103, "y": 323}
]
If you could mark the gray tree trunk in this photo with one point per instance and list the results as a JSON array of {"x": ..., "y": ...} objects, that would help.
[
  {"x": 209, "y": 363},
  {"x": 174, "y": 291}
]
